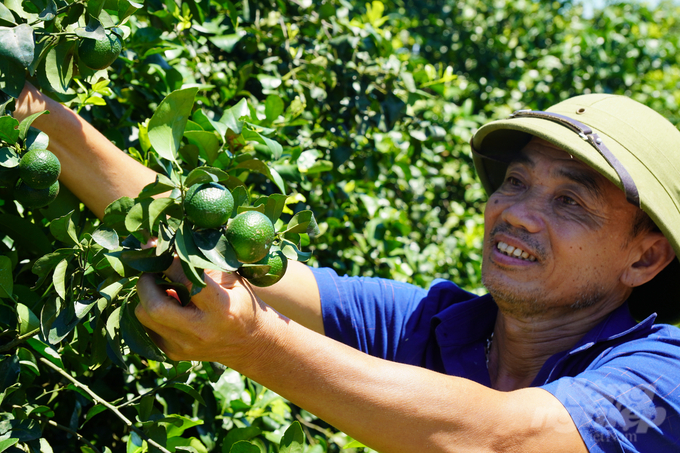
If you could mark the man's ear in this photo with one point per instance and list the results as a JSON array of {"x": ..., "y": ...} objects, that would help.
[{"x": 654, "y": 252}]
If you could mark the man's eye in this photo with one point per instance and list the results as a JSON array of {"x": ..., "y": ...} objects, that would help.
[
  {"x": 567, "y": 200},
  {"x": 513, "y": 181}
]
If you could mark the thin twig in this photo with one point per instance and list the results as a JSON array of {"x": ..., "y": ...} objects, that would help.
[
  {"x": 104, "y": 403},
  {"x": 18, "y": 340},
  {"x": 155, "y": 390},
  {"x": 70, "y": 431}
]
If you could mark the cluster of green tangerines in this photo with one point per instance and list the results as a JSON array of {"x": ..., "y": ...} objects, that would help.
[
  {"x": 251, "y": 233},
  {"x": 34, "y": 180}
]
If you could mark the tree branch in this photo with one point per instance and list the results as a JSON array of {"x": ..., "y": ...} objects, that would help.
[
  {"x": 106, "y": 404},
  {"x": 18, "y": 340}
]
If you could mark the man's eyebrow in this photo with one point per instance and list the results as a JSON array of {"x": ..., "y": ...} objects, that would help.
[
  {"x": 586, "y": 179},
  {"x": 589, "y": 181}
]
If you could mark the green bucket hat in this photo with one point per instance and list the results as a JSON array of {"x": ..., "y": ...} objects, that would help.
[{"x": 630, "y": 144}]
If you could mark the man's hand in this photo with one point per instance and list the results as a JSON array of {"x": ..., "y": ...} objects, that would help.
[{"x": 220, "y": 324}]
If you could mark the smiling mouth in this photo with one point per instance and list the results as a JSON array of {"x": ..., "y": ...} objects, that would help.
[{"x": 514, "y": 252}]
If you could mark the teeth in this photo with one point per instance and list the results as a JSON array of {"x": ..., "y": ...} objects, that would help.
[{"x": 513, "y": 251}]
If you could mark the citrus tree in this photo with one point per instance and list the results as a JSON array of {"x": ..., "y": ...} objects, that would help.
[{"x": 359, "y": 112}]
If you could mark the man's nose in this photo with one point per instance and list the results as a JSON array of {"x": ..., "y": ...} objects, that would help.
[{"x": 526, "y": 212}]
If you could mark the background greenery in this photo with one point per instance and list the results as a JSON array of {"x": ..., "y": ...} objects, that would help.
[{"x": 377, "y": 103}]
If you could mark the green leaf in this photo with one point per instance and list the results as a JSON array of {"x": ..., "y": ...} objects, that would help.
[
  {"x": 178, "y": 424},
  {"x": 232, "y": 117},
  {"x": 241, "y": 197},
  {"x": 157, "y": 208},
  {"x": 146, "y": 260},
  {"x": 189, "y": 391},
  {"x": 208, "y": 144},
  {"x": 273, "y": 107},
  {"x": 293, "y": 253},
  {"x": 44, "y": 265},
  {"x": 64, "y": 229},
  {"x": 9, "y": 371},
  {"x": 63, "y": 324},
  {"x": 215, "y": 247},
  {"x": 106, "y": 237},
  {"x": 239, "y": 434},
  {"x": 59, "y": 278},
  {"x": 110, "y": 291},
  {"x": 113, "y": 338},
  {"x": 26, "y": 235},
  {"x": 94, "y": 7},
  {"x": 6, "y": 280},
  {"x": 189, "y": 253},
  {"x": 135, "y": 336},
  {"x": 293, "y": 440},
  {"x": 9, "y": 129},
  {"x": 50, "y": 11},
  {"x": 94, "y": 410},
  {"x": 8, "y": 157},
  {"x": 165, "y": 240},
  {"x": 137, "y": 215},
  {"x": 161, "y": 185},
  {"x": 273, "y": 146},
  {"x": 243, "y": 446},
  {"x": 28, "y": 321},
  {"x": 227, "y": 42},
  {"x": 25, "y": 124},
  {"x": 6, "y": 15},
  {"x": 46, "y": 351},
  {"x": 116, "y": 213},
  {"x": 6, "y": 443},
  {"x": 273, "y": 205},
  {"x": 17, "y": 44},
  {"x": 36, "y": 139},
  {"x": 166, "y": 126},
  {"x": 258, "y": 166},
  {"x": 303, "y": 222},
  {"x": 12, "y": 77},
  {"x": 205, "y": 174},
  {"x": 59, "y": 66}
]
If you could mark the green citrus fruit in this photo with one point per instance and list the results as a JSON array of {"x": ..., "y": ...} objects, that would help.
[
  {"x": 251, "y": 234},
  {"x": 8, "y": 176},
  {"x": 208, "y": 205},
  {"x": 39, "y": 168},
  {"x": 100, "y": 53},
  {"x": 277, "y": 263},
  {"x": 35, "y": 198}
]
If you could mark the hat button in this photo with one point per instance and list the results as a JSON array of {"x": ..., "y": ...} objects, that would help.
[{"x": 581, "y": 111}]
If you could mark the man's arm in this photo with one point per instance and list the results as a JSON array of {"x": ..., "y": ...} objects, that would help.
[
  {"x": 92, "y": 167},
  {"x": 390, "y": 407},
  {"x": 98, "y": 172},
  {"x": 296, "y": 296}
]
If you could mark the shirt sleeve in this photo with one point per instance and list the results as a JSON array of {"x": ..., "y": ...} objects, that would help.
[
  {"x": 628, "y": 400},
  {"x": 369, "y": 314}
]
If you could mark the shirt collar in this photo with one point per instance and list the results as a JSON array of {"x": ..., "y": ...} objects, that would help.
[{"x": 473, "y": 320}]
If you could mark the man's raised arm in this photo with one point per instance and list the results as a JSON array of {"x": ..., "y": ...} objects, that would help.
[
  {"x": 93, "y": 168},
  {"x": 98, "y": 172}
]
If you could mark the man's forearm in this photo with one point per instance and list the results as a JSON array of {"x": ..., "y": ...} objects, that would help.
[
  {"x": 93, "y": 168},
  {"x": 393, "y": 407}
]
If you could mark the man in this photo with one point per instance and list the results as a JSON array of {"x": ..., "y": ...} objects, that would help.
[{"x": 549, "y": 360}]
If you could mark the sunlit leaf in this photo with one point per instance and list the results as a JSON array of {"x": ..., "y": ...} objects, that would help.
[{"x": 166, "y": 126}]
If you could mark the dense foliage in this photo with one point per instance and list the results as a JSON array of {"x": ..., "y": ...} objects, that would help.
[{"x": 373, "y": 104}]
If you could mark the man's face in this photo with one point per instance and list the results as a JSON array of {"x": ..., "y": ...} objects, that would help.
[{"x": 557, "y": 235}]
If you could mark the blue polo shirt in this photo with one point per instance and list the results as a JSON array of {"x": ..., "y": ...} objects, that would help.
[{"x": 620, "y": 382}]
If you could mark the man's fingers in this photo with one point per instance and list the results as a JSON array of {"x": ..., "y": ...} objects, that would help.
[{"x": 157, "y": 308}]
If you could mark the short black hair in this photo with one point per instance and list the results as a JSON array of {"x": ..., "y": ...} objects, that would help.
[{"x": 642, "y": 223}]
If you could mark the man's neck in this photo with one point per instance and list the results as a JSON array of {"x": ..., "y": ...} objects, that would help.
[{"x": 520, "y": 346}]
